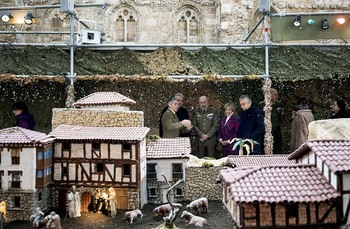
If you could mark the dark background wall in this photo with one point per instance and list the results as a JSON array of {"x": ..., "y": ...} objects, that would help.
[{"x": 44, "y": 93}]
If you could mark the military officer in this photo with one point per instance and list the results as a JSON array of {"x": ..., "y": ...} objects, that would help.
[{"x": 205, "y": 123}]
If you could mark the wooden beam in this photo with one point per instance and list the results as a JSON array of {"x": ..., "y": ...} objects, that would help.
[{"x": 326, "y": 214}]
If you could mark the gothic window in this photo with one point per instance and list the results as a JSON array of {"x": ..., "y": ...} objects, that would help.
[
  {"x": 188, "y": 26},
  {"x": 126, "y": 26}
]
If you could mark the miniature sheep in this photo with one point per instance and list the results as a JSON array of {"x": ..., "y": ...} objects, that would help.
[
  {"x": 197, "y": 204},
  {"x": 162, "y": 209},
  {"x": 53, "y": 221},
  {"x": 192, "y": 219},
  {"x": 131, "y": 215}
]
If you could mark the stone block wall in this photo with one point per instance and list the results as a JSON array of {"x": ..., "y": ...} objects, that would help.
[
  {"x": 134, "y": 199},
  {"x": 201, "y": 182},
  {"x": 24, "y": 211},
  {"x": 103, "y": 118}
]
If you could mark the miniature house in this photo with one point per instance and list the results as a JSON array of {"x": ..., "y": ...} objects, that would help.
[
  {"x": 332, "y": 158},
  {"x": 105, "y": 100},
  {"x": 169, "y": 157},
  {"x": 25, "y": 171},
  {"x": 108, "y": 109},
  {"x": 280, "y": 196},
  {"x": 99, "y": 158}
]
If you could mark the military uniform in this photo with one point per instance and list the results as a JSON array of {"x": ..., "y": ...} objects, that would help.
[
  {"x": 205, "y": 122},
  {"x": 172, "y": 127}
]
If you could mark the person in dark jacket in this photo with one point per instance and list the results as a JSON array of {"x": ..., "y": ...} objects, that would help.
[
  {"x": 181, "y": 113},
  {"x": 339, "y": 109},
  {"x": 23, "y": 118},
  {"x": 251, "y": 123}
]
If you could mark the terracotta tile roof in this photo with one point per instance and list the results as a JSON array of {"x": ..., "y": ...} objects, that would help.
[
  {"x": 169, "y": 148},
  {"x": 261, "y": 160},
  {"x": 68, "y": 132},
  {"x": 277, "y": 184},
  {"x": 334, "y": 153},
  {"x": 103, "y": 98},
  {"x": 18, "y": 135}
]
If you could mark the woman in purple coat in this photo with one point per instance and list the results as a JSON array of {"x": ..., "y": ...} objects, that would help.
[
  {"x": 228, "y": 127},
  {"x": 22, "y": 116}
]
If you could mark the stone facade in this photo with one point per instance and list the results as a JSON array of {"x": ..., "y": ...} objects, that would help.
[
  {"x": 27, "y": 201},
  {"x": 195, "y": 186},
  {"x": 102, "y": 118},
  {"x": 162, "y": 22}
]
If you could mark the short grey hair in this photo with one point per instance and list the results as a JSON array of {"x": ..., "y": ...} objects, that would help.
[
  {"x": 179, "y": 94},
  {"x": 245, "y": 97},
  {"x": 171, "y": 100}
]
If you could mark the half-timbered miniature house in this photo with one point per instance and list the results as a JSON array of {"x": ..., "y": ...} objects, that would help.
[
  {"x": 332, "y": 158},
  {"x": 280, "y": 196},
  {"x": 25, "y": 171},
  {"x": 168, "y": 156},
  {"x": 100, "y": 158}
]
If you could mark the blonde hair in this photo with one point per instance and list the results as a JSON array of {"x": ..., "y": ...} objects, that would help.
[{"x": 230, "y": 105}]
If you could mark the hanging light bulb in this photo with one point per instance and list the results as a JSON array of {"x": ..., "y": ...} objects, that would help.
[
  {"x": 324, "y": 24},
  {"x": 341, "y": 20},
  {"x": 28, "y": 19},
  {"x": 6, "y": 18},
  {"x": 297, "y": 21}
]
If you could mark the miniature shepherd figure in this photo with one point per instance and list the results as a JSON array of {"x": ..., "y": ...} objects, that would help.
[
  {"x": 73, "y": 199},
  {"x": 37, "y": 217},
  {"x": 112, "y": 197}
]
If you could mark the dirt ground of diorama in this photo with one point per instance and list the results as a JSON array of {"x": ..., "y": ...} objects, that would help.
[{"x": 217, "y": 217}]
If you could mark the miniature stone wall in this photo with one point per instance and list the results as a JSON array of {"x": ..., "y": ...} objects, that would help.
[
  {"x": 201, "y": 182},
  {"x": 134, "y": 199},
  {"x": 101, "y": 118},
  {"x": 26, "y": 205}
]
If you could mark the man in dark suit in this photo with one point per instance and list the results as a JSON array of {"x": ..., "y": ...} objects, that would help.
[
  {"x": 251, "y": 123},
  {"x": 171, "y": 125}
]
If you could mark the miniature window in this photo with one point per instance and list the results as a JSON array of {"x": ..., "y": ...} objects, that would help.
[
  {"x": 16, "y": 201},
  {"x": 152, "y": 192},
  {"x": 293, "y": 210},
  {"x": 99, "y": 167},
  {"x": 1, "y": 174},
  {"x": 39, "y": 173},
  {"x": 179, "y": 192},
  {"x": 151, "y": 172},
  {"x": 16, "y": 180},
  {"x": 15, "y": 156},
  {"x": 126, "y": 147},
  {"x": 126, "y": 170},
  {"x": 96, "y": 146},
  {"x": 65, "y": 171},
  {"x": 39, "y": 196},
  {"x": 66, "y": 146},
  {"x": 40, "y": 155},
  {"x": 177, "y": 171},
  {"x": 47, "y": 171}
]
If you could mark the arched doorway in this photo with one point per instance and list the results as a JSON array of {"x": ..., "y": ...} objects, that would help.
[{"x": 86, "y": 202}]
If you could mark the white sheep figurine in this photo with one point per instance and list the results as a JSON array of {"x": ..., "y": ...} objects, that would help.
[
  {"x": 193, "y": 219},
  {"x": 197, "y": 204},
  {"x": 131, "y": 215}
]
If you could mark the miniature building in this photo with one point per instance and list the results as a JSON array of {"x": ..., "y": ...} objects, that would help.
[
  {"x": 280, "y": 196},
  {"x": 98, "y": 158},
  {"x": 109, "y": 109},
  {"x": 259, "y": 160},
  {"x": 169, "y": 157},
  {"x": 332, "y": 158},
  {"x": 25, "y": 171},
  {"x": 105, "y": 100}
]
